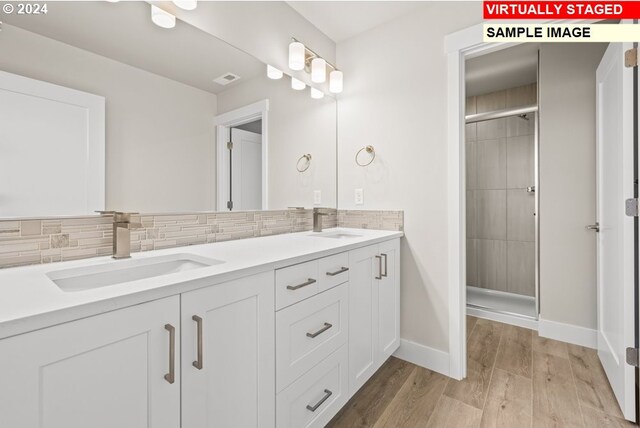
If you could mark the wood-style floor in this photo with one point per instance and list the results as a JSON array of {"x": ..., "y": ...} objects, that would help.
[{"x": 515, "y": 379}]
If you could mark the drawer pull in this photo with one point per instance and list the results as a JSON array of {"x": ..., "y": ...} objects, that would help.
[
  {"x": 198, "y": 363},
  {"x": 327, "y": 394},
  {"x": 326, "y": 327},
  {"x": 338, "y": 272},
  {"x": 379, "y": 267},
  {"x": 304, "y": 284},
  {"x": 385, "y": 265},
  {"x": 171, "y": 377}
]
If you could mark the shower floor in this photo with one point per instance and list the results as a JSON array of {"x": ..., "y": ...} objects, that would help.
[{"x": 503, "y": 303}]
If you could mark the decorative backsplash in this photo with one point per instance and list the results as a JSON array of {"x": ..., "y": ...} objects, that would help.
[{"x": 27, "y": 242}]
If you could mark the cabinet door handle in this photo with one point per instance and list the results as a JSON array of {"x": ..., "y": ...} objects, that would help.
[
  {"x": 198, "y": 363},
  {"x": 338, "y": 272},
  {"x": 379, "y": 267},
  {"x": 304, "y": 284},
  {"x": 385, "y": 265},
  {"x": 327, "y": 394},
  {"x": 326, "y": 327},
  {"x": 171, "y": 376}
]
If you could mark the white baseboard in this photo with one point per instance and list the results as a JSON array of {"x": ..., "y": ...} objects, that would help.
[
  {"x": 568, "y": 333},
  {"x": 503, "y": 318},
  {"x": 423, "y": 356}
]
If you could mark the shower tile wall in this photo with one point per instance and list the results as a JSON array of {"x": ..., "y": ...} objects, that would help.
[{"x": 500, "y": 220}]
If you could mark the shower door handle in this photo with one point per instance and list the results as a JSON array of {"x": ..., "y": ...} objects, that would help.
[{"x": 595, "y": 227}]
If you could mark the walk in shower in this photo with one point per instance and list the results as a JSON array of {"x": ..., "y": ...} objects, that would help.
[{"x": 502, "y": 203}]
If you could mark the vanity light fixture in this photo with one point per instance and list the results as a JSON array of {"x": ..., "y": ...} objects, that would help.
[
  {"x": 318, "y": 70},
  {"x": 161, "y": 18},
  {"x": 273, "y": 73},
  {"x": 297, "y": 53},
  {"x": 316, "y": 94},
  {"x": 296, "y": 84},
  {"x": 186, "y": 4},
  {"x": 335, "y": 81}
]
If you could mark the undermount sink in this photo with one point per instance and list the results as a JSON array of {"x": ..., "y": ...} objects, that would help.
[
  {"x": 336, "y": 235},
  {"x": 121, "y": 271}
]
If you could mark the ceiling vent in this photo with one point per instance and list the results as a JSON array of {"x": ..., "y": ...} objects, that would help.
[{"x": 226, "y": 78}]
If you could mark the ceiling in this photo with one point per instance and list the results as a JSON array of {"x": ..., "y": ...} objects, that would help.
[
  {"x": 341, "y": 20},
  {"x": 124, "y": 32},
  {"x": 503, "y": 69}
]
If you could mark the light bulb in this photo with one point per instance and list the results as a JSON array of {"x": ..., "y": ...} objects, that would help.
[
  {"x": 296, "y": 56},
  {"x": 161, "y": 18},
  {"x": 316, "y": 94},
  {"x": 336, "y": 81},
  {"x": 273, "y": 73},
  {"x": 186, "y": 4},
  {"x": 318, "y": 70},
  {"x": 296, "y": 84}
]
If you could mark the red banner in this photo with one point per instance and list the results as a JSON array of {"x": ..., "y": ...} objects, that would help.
[{"x": 561, "y": 9}]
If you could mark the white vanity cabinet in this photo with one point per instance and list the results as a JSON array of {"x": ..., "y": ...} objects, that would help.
[
  {"x": 228, "y": 351},
  {"x": 105, "y": 371},
  {"x": 374, "y": 309}
]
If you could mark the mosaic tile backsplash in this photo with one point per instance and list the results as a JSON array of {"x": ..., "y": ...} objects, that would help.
[{"x": 26, "y": 242}]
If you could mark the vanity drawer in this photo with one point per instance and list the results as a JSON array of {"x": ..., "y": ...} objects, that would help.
[
  {"x": 295, "y": 283},
  {"x": 307, "y": 332},
  {"x": 333, "y": 270},
  {"x": 316, "y": 397}
]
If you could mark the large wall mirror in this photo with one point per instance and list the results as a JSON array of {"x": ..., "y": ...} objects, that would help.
[{"x": 102, "y": 109}]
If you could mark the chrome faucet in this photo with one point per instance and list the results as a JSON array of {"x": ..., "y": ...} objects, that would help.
[
  {"x": 317, "y": 220},
  {"x": 122, "y": 233}
]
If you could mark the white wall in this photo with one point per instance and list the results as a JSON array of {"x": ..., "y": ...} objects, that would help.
[
  {"x": 568, "y": 182},
  {"x": 395, "y": 100},
  {"x": 159, "y": 135},
  {"x": 297, "y": 125}
]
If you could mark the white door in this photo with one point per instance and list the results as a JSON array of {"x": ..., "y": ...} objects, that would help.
[
  {"x": 364, "y": 269},
  {"x": 50, "y": 131},
  {"x": 615, "y": 294},
  {"x": 104, "y": 371},
  {"x": 389, "y": 300},
  {"x": 228, "y": 368},
  {"x": 246, "y": 176}
]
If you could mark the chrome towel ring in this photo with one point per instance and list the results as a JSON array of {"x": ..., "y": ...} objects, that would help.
[
  {"x": 368, "y": 149},
  {"x": 305, "y": 166}
]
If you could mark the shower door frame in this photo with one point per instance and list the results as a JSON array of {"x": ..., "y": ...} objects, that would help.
[{"x": 458, "y": 47}]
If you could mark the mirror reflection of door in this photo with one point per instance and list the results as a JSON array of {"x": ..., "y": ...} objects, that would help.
[{"x": 245, "y": 167}]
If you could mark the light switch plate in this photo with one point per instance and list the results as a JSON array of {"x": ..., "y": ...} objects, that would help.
[
  {"x": 317, "y": 197},
  {"x": 359, "y": 197}
]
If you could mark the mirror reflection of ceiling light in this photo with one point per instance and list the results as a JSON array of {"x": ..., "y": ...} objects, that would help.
[
  {"x": 273, "y": 73},
  {"x": 161, "y": 18},
  {"x": 318, "y": 70},
  {"x": 335, "y": 81},
  {"x": 316, "y": 94},
  {"x": 296, "y": 56},
  {"x": 296, "y": 84},
  {"x": 186, "y": 4}
]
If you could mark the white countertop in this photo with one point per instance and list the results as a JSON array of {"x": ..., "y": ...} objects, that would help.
[{"x": 29, "y": 300}]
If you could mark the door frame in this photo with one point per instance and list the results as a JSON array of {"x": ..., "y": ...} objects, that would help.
[
  {"x": 459, "y": 46},
  {"x": 222, "y": 122}
]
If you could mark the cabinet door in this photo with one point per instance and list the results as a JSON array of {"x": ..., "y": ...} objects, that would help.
[
  {"x": 389, "y": 300},
  {"x": 103, "y": 371},
  {"x": 363, "y": 315},
  {"x": 232, "y": 383}
]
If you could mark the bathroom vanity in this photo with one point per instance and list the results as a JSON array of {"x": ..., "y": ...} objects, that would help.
[{"x": 262, "y": 332}]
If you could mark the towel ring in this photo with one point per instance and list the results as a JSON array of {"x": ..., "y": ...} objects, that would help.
[
  {"x": 306, "y": 165},
  {"x": 368, "y": 149}
]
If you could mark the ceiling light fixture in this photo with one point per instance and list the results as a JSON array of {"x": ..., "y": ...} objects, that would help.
[
  {"x": 161, "y": 18},
  {"x": 186, "y": 4},
  {"x": 296, "y": 84},
  {"x": 296, "y": 55},
  {"x": 273, "y": 73},
  {"x": 316, "y": 94},
  {"x": 318, "y": 70},
  {"x": 336, "y": 81}
]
